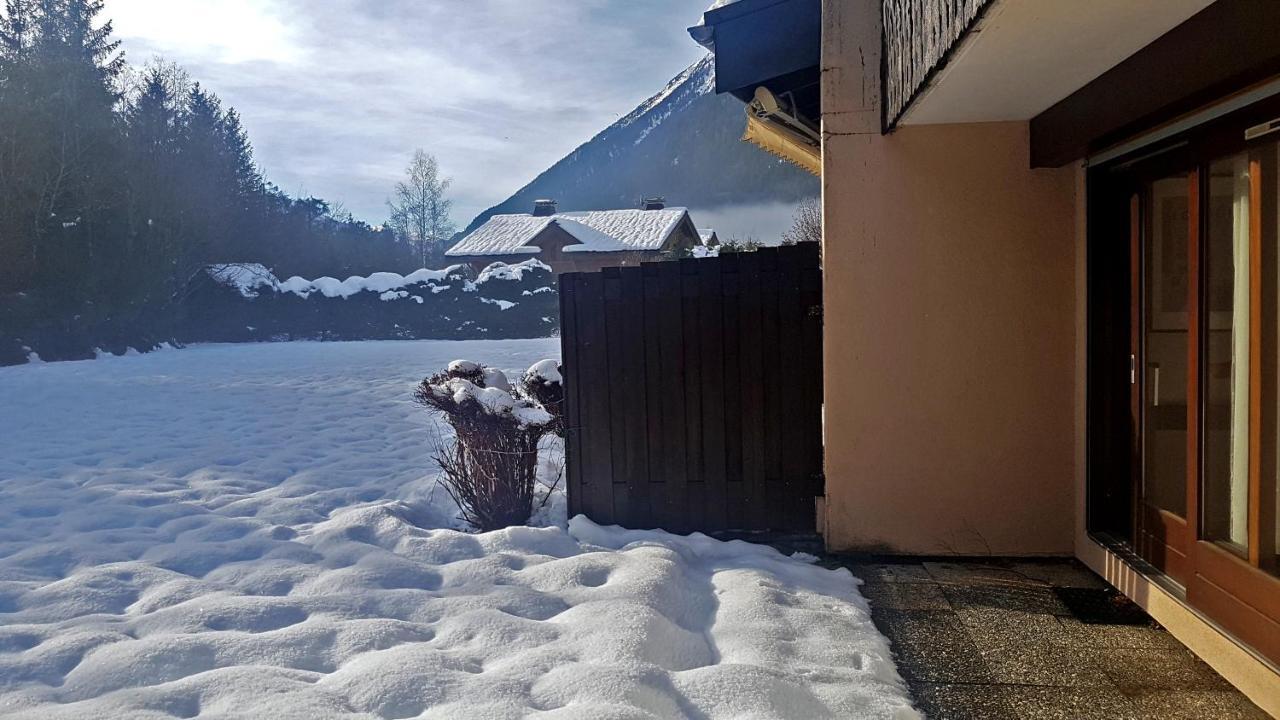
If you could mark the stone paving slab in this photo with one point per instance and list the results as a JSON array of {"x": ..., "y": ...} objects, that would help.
[{"x": 1030, "y": 640}]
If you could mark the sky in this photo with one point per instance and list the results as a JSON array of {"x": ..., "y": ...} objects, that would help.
[{"x": 337, "y": 94}]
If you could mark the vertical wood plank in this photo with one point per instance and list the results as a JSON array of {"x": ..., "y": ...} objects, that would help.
[
  {"x": 791, "y": 316},
  {"x": 642, "y": 352},
  {"x": 594, "y": 378},
  {"x": 569, "y": 368},
  {"x": 731, "y": 388},
  {"x": 751, "y": 387},
  {"x": 621, "y": 389},
  {"x": 691, "y": 316},
  {"x": 711, "y": 313},
  {"x": 772, "y": 371},
  {"x": 674, "y": 386}
]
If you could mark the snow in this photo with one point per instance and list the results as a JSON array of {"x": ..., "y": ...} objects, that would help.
[
  {"x": 595, "y": 231},
  {"x": 513, "y": 271},
  {"x": 633, "y": 229},
  {"x": 502, "y": 304},
  {"x": 545, "y": 371},
  {"x": 253, "y": 531},
  {"x": 706, "y": 62},
  {"x": 379, "y": 282},
  {"x": 502, "y": 235},
  {"x": 244, "y": 277}
]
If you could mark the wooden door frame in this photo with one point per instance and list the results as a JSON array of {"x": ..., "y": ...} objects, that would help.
[{"x": 1240, "y": 593}]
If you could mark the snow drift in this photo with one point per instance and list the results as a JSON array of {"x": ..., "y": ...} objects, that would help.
[{"x": 251, "y": 531}]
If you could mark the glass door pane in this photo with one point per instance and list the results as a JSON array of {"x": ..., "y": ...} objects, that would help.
[
  {"x": 1227, "y": 355},
  {"x": 1164, "y": 345}
]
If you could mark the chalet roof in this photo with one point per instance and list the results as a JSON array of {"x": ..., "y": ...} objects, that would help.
[{"x": 595, "y": 231}]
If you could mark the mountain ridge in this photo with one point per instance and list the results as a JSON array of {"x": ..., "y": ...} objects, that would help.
[{"x": 682, "y": 143}]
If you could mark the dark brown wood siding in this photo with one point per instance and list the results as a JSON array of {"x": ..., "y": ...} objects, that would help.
[{"x": 695, "y": 392}]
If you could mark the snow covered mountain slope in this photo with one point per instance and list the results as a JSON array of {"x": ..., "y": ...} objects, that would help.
[{"x": 683, "y": 143}]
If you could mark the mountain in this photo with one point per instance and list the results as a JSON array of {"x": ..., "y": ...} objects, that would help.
[{"x": 684, "y": 144}]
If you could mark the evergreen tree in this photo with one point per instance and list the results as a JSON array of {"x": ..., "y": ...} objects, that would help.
[
  {"x": 59, "y": 123},
  {"x": 155, "y": 206},
  {"x": 110, "y": 205}
]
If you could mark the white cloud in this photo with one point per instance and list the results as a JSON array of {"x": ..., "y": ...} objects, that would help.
[
  {"x": 223, "y": 31},
  {"x": 336, "y": 94}
]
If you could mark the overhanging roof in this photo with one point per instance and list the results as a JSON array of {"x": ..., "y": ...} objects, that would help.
[
  {"x": 1023, "y": 56},
  {"x": 774, "y": 43}
]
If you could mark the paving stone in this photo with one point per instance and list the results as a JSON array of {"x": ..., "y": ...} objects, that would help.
[
  {"x": 1087, "y": 635},
  {"x": 1196, "y": 705},
  {"x": 1087, "y": 703},
  {"x": 978, "y": 573},
  {"x": 999, "y": 628},
  {"x": 1045, "y": 665},
  {"x": 892, "y": 572},
  {"x": 1139, "y": 670},
  {"x": 1008, "y": 596},
  {"x": 905, "y": 596},
  {"x": 955, "y": 701},
  {"x": 1064, "y": 573},
  {"x": 996, "y": 641},
  {"x": 932, "y": 646}
]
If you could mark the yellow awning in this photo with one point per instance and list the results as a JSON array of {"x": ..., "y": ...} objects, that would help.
[{"x": 778, "y": 139}]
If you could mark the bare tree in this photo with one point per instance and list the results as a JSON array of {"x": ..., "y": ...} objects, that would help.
[
  {"x": 420, "y": 210},
  {"x": 806, "y": 224}
]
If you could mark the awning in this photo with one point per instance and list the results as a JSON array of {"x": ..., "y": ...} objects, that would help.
[{"x": 782, "y": 141}]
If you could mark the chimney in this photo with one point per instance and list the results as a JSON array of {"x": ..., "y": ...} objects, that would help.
[
  {"x": 653, "y": 203},
  {"x": 543, "y": 208}
]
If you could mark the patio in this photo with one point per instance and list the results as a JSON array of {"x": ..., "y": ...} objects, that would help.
[{"x": 1034, "y": 639}]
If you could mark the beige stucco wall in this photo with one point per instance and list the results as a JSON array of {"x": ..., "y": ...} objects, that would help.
[{"x": 950, "y": 336}]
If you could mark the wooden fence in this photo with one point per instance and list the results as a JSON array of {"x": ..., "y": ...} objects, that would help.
[{"x": 694, "y": 392}]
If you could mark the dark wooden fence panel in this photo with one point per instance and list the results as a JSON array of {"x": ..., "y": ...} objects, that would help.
[{"x": 694, "y": 392}]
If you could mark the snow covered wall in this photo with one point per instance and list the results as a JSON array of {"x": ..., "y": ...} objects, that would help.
[{"x": 243, "y": 303}]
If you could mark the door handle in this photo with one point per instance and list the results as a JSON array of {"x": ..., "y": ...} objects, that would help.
[{"x": 1155, "y": 384}]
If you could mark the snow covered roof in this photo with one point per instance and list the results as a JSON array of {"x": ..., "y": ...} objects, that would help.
[
  {"x": 502, "y": 235},
  {"x": 595, "y": 231}
]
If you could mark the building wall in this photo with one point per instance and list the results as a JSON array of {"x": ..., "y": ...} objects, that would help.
[{"x": 949, "y": 291}]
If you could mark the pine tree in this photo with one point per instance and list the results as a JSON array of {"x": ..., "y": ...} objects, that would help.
[
  {"x": 59, "y": 126},
  {"x": 155, "y": 206}
]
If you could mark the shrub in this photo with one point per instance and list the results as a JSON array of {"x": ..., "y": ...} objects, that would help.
[{"x": 490, "y": 469}]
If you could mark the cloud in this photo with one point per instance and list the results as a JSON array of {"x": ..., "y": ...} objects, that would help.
[{"x": 336, "y": 94}]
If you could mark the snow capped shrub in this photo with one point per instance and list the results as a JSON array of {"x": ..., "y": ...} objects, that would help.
[
  {"x": 542, "y": 383},
  {"x": 490, "y": 469}
]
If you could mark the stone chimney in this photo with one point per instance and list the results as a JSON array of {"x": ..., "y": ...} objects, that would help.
[
  {"x": 653, "y": 203},
  {"x": 543, "y": 208}
]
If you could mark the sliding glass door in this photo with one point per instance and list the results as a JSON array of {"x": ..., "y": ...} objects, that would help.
[
  {"x": 1162, "y": 231},
  {"x": 1204, "y": 376}
]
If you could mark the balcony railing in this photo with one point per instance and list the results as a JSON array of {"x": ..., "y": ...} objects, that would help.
[{"x": 918, "y": 37}]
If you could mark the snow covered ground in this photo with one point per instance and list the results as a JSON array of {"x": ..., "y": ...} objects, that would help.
[{"x": 253, "y": 531}]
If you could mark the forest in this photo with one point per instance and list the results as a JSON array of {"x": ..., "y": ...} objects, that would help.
[{"x": 119, "y": 184}]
